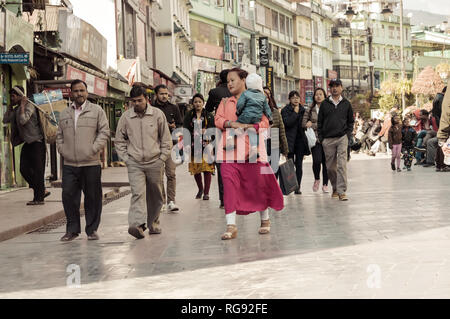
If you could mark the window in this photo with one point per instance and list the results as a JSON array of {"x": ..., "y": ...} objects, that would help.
[
  {"x": 303, "y": 61},
  {"x": 270, "y": 51},
  {"x": 345, "y": 46},
  {"x": 274, "y": 20},
  {"x": 315, "y": 32},
  {"x": 300, "y": 29},
  {"x": 283, "y": 56},
  {"x": 230, "y": 6},
  {"x": 382, "y": 31},
  {"x": 260, "y": 14},
  {"x": 391, "y": 32},
  {"x": 276, "y": 53},
  {"x": 308, "y": 31},
  {"x": 398, "y": 33},
  {"x": 282, "y": 24},
  {"x": 359, "y": 47},
  {"x": 268, "y": 18}
]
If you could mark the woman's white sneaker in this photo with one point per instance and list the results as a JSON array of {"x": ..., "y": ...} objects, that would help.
[{"x": 172, "y": 207}]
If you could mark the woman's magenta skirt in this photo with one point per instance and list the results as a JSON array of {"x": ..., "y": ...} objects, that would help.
[{"x": 250, "y": 187}]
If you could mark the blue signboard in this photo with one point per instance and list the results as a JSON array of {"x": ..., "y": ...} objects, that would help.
[{"x": 14, "y": 58}]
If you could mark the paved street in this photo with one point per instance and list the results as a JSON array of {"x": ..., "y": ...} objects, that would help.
[{"x": 390, "y": 240}]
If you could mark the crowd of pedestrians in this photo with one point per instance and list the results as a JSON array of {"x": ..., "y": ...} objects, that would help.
[
  {"x": 237, "y": 135},
  {"x": 413, "y": 137}
]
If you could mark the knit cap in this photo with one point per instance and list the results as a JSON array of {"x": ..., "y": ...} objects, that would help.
[{"x": 254, "y": 81}]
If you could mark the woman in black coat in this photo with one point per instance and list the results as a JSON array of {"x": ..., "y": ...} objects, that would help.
[{"x": 292, "y": 115}]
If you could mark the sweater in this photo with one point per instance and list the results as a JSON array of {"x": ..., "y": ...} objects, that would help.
[{"x": 335, "y": 121}]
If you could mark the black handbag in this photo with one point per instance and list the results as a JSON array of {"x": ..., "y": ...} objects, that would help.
[{"x": 288, "y": 177}]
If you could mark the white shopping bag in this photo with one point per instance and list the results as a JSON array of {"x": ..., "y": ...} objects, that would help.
[
  {"x": 311, "y": 136},
  {"x": 375, "y": 146}
]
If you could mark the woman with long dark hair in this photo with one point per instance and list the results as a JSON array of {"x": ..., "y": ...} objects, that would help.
[
  {"x": 318, "y": 155},
  {"x": 197, "y": 121},
  {"x": 282, "y": 143},
  {"x": 298, "y": 145}
]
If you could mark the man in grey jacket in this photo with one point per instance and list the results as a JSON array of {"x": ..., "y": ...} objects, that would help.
[
  {"x": 143, "y": 142},
  {"x": 25, "y": 129},
  {"x": 83, "y": 132}
]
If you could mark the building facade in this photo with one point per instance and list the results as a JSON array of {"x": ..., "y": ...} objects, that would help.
[
  {"x": 222, "y": 33},
  {"x": 370, "y": 32},
  {"x": 275, "y": 22},
  {"x": 303, "y": 53},
  {"x": 173, "y": 41}
]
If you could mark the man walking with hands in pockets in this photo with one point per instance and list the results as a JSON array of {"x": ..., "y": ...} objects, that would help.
[
  {"x": 143, "y": 142},
  {"x": 334, "y": 128}
]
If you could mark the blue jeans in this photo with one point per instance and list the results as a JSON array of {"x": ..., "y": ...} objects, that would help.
[{"x": 420, "y": 137}]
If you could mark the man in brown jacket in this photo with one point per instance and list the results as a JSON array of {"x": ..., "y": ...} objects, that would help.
[
  {"x": 143, "y": 142},
  {"x": 83, "y": 132}
]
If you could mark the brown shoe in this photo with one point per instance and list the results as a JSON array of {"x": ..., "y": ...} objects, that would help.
[
  {"x": 230, "y": 233},
  {"x": 93, "y": 236},
  {"x": 343, "y": 197},
  {"x": 35, "y": 203},
  {"x": 69, "y": 237},
  {"x": 154, "y": 230},
  {"x": 136, "y": 231},
  {"x": 335, "y": 195}
]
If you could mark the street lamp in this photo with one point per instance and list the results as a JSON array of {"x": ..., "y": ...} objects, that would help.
[{"x": 350, "y": 14}]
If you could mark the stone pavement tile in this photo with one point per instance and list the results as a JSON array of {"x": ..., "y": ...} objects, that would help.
[{"x": 190, "y": 261}]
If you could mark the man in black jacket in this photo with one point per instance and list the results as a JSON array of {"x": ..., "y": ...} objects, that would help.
[
  {"x": 215, "y": 96},
  {"x": 334, "y": 128},
  {"x": 173, "y": 116}
]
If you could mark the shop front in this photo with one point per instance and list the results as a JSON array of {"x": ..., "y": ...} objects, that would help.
[{"x": 16, "y": 47}]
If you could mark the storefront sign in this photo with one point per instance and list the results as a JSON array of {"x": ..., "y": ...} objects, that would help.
[
  {"x": 14, "y": 58},
  {"x": 95, "y": 85},
  {"x": 269, "y": 78},
  {"x": 264, "y": 51},
  {"x": 19, "y": 33},
  {"x": 198, "y": 82},
  {"x": 309, "y": 92},
  {"x": 65, "y": 90},
  {"x": 208, "y": 50},
  {"x": 332, "y": 75},
  {"x": 82, "y": 40},
  {"x": 232, "y": 31},
  {"x": 318, "y": 82}
]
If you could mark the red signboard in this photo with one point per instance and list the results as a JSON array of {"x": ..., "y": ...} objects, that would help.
[
  {"x": 95, "y": 85},
  {"x": 332, "y": 75},
  {"x": 208, "y": 50},
  {"x": 318, "y": 82}
]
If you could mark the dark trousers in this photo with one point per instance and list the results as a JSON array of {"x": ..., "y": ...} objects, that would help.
[
  {"x": 298, "y": 161},
  {"x": 88, "y": 180},
  {"x": 440, "y": 158},
  {"x": 219, "y": 180},
  {"x": 32, "y": 168},
  {"x": 319, "y": 161}
]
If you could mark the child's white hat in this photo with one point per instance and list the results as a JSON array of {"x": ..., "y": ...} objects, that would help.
[{"x": 254, "y": 81}]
